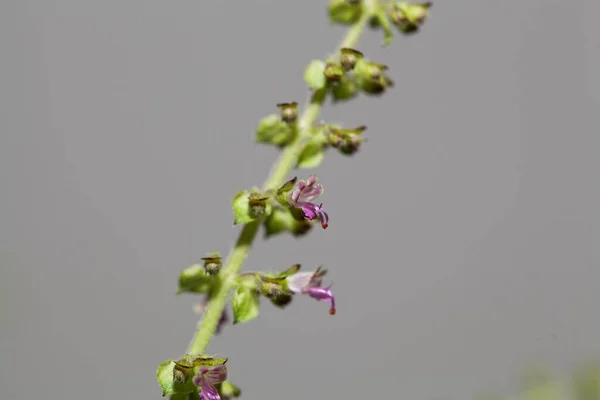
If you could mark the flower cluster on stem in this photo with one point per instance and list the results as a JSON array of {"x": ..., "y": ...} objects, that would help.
[{"x": 282, "y": 206}]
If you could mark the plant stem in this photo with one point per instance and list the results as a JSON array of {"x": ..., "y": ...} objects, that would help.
[{"x": 287, "y": 161}]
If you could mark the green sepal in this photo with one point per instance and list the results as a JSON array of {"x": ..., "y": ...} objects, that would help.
[
  {"x": 345, "y": 11},
  {"x": 333, "y": 72},
  {"x": 313, "y": 152},
  {"x": 371, "y": 77},
  {"x": 245, "y": 304},
  {"x": 314, "y": 74},
  {"x": 248, "y": 206},
  {"x": 282, "y": 220},
  {"x": 273, "y": 130},
  {"x": 228, "y": 390},
  {"x": 212, "y": 263},
  {"x": 279, "y": 221},
  {"x": 288, "y": 111},
  {"x": 408, "y": 17},
  {"x": 175, "y": 379},
  {"x": 259, "y": 204},
  {"x": 347, "y": 141},
  {"x": 290, "y": 271},
  {"x": 345, "y": 90},
  {"x": 282, "y": 193},
  {"x": 274, "y": 288},
  {"x": 194, "y": 279},
  {"x": 349, "y": 57}
]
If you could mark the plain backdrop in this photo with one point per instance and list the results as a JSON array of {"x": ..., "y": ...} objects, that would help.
[{"x": 464, "y": 237}]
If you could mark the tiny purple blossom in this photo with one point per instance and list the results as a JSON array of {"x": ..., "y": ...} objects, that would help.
[
  {"x": 310, "y": 283},
  {"x": 302, "y": 196},
  {"x": 206, "y": 379}
]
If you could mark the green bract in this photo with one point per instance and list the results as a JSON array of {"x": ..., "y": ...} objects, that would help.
[
  {"x": 409, "y": 16},
  {"x": 345, "y": 11},
  {"x": 345, "y": 90},
  {"x": 228, "y": 390},
  {"x": 194, "y": 279},
  {"x": 314, "y": 75},
  {"x": 249, "y": 206},
  {"x": 174, "y": 381},
  {"x": 273, "y": 130},
  {"x": 213, "y": 263},
  {"x": 282, "y": 220},
  {"x": 313, "y": 152},
  {"x": 245, "y": 304},
  {"x": 371, "y": 77}
]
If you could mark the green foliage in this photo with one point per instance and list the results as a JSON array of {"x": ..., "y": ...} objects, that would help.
[
  {"x": 345, "y": 12},
  {"x": 245, "y": 304},
  {"x": 314, "y": 75},
  {"x": 249, "y": 206},
  {"x": 345, "y": 90},
  {"x": 273, "y": 130},
  {"x": 408, "y": 17},
  {"x": 174, "y": 379},
  {"x": 371, "y": 77},
  {"x": 194, "y": 279},
  {"x": 283, "y": 220},
  {"x": 313, "y": 152}
]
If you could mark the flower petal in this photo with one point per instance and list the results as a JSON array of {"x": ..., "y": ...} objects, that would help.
[
  {"x": 323, "y": 294},
  {"x": 298, "y": 282},
  {"x": 216, "y": 374},
  {"x": 209, "y": 392}
]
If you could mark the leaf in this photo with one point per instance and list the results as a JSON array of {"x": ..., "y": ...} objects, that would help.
[
  {"x": 165, "y": 377},
  {"x": 245, "y": 304},
  {"x": 312, "y": 155},
  {"x": 314, "y": 75},
  {"x": 241, "y": 208},
  {"x": 194, "y": 280},
  {"x": 272, "y": 130}
]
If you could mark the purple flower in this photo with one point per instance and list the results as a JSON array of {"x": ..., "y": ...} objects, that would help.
[
  {"x": 302, "y": 196},
  {"x": 206, "y": 379},
  {"x": 310, "y": 283}
]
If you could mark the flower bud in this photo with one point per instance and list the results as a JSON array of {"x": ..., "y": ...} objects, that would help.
[
  {"x": 257, "y": 203},
  {"x": 349, "y": 57},
  {"x": 345, "y": 11},
  {"x": 347, "y": 141},
  {"x": 289, "y": 112},
  {"x": 371, "y": 77},
  {"x": 409, "y": 17},
  {"x": 273, "y": 290},
  {"x": 333, "y": 72},
  {"x": 212, "y": 263}
]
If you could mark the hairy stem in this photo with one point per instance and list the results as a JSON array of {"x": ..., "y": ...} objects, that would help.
[{"x": 287, "y": 161}]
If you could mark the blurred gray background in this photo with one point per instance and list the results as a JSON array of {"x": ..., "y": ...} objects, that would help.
[{"x": 463, "y": 240}]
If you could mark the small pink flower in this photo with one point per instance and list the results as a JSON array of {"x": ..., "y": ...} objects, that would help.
[
  {"x": 206, "y": 379},
  {"x": 302, "y": 196},
  {"x": 310, "y": 283}
]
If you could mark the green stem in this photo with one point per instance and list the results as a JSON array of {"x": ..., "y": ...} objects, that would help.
[{"x": 287, "y": 161}]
